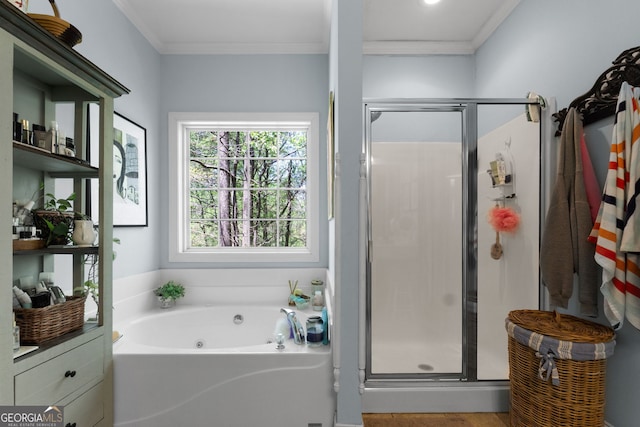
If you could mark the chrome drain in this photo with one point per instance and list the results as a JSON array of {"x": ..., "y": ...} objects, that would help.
[{"x": 426, "y": 367}]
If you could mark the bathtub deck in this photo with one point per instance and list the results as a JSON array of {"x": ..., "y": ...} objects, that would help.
[{"x": 437, "y": 420}]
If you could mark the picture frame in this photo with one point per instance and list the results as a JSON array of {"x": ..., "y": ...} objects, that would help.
[
  {"x": 130, "y": 204},
  {"x": 330, "y": 159}
]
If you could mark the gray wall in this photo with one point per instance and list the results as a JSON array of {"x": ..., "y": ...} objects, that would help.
[
  {"x": 559, "y": 49},
  {"x": 441, "y": 76},
  {"x": 244, "y": 83},
  {"x": 111, "y": 42}
]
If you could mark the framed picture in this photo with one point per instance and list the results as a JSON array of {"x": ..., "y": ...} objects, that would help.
[
  {"x": 330, "y": 159},
  {"x": 129, "y": 169}
]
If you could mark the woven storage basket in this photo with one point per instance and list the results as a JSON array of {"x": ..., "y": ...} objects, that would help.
[
  {"x": 38, "y": 325},
  {"x": 60, "y": 28},
  {"x": 540, "y": 341}
]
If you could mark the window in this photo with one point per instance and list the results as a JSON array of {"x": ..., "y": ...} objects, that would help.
[{"x": 246, "y": 187}]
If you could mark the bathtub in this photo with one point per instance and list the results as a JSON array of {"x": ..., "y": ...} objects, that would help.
[{"x": 218, "y": 366}]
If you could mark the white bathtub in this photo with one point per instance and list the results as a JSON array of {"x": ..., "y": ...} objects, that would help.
[{"x": 195, "y": 366}]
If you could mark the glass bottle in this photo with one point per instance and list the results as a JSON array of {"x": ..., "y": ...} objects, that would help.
[
  {"x": 317, "y": 295},
  {"x": 16, "y": 335},
  {"x": 315, "y": 331}
]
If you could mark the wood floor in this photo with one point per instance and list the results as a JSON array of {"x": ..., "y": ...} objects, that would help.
[{"x": 437, "y": 420}]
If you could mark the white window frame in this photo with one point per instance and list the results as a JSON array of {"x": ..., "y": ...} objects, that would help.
[{"x": 179, "y": 250}]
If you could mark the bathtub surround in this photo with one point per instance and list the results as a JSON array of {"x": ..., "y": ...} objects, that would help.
[
  {"x": 248, "y": 369},
  {"x": 252, "y": 377}
]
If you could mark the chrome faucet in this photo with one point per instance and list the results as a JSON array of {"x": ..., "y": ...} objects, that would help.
[{"x": 296, "y": 326}]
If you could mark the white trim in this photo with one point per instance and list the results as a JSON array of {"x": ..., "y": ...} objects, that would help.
[
  {"x": 242, "y": 48},
  {"x": 417, "y": 48},
  {"x": 178, "y": 174},
  {"x": 439, "y": 397},
  {"x": 139, "y": 23},
  {"x": 493, "y": 23}
]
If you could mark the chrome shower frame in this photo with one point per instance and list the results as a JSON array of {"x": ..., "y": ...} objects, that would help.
[{"x": 468, "y": 108}]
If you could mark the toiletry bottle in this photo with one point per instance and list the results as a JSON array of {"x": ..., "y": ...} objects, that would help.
[
  {"x": 17, "y": 128},
  {"x": 16, "y": 335},
  {"x": 315, "y": 331},
  {"x": 317, "y": 301},
  {"x": 317, "y": 295},
  {"x": 26, "y": 133},
  {"x": 52, "y": 137}
]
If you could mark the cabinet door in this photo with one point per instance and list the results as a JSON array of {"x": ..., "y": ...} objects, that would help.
[
  {"x": 51, "y": 381},
  {"x": 86, "y": 410}
]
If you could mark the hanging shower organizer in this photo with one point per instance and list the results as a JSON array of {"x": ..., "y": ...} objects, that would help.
[
  {"x": 502, "y": 217},
  {"x": 502, "y": 173}
]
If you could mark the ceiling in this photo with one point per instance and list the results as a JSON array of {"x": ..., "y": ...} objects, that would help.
[{"x": 303, "y": 26}]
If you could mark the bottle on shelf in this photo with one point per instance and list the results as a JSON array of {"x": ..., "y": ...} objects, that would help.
[{"x": 16, "y": 334}]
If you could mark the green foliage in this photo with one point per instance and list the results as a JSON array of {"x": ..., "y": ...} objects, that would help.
[
  {"x": 170, "y": 291},
  {"x": 248, "y": 188},
  {"x": 60, "y": 205}
]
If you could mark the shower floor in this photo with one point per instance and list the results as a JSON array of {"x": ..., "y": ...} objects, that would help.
[
  {"x": 446, "y": 358},
  {"x": 414, "y": 357}
]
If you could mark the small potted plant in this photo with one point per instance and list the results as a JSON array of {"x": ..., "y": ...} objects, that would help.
[
  {"x": 168, "y": 293},
  {"x": 55, "y": 219}
]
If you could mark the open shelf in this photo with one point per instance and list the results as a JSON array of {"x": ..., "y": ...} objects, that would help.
[
  {"x": 55, "y": 165},
  {"x": 59, "y": 249}
]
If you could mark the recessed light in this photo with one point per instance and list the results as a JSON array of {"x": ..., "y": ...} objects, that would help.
[{"x": 430, "y": 2}]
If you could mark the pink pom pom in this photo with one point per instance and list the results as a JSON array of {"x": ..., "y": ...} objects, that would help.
[{"x": 504, "y": 220}]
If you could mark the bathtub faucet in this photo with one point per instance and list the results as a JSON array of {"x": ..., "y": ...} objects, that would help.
[{"x": 296, "y": 326}]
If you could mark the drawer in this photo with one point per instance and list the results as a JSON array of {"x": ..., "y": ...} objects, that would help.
[
  {"x": 86, "y": 410},
  {"x": 51, "y": 381}
]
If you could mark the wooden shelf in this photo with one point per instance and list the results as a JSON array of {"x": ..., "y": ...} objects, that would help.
[
  {"x": 55, "y": 165},
  {"x": 60, "y": 250}
]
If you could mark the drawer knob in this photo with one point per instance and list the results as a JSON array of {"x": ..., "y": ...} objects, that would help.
[
  {"x": 70, "y": 425},
  {"x": 70, "y": 374}
]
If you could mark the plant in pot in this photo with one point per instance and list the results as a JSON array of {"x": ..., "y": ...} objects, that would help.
[
  {"x": 55, "y": 219},
  {"x": 168, "y": 293}
]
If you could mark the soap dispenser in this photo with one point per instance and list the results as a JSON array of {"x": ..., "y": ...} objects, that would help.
[{"x": 16, "y": 335}]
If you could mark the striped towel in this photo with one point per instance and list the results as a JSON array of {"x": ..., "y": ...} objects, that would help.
[{"x": 617, "y": 219}]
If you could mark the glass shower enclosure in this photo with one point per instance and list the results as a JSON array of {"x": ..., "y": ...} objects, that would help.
[{"x": 437, "y": 293}]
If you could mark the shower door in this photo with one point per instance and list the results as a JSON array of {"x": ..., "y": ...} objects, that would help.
[
  {"x": 436, "y": 297},
  {"x": 416, "y": 242}
]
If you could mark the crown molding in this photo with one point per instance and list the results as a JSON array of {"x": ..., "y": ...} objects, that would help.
[
  {"x": 244, "y": 48},
  {"x": 493, "y": 23},
  {"x": 417, "y": 48}
]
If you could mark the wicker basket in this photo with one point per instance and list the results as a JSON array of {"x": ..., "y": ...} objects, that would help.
[
  {"x": 60, "y": 28},
  {"x": 38, "y": 325},
  {"x": 571, "y": 353}
]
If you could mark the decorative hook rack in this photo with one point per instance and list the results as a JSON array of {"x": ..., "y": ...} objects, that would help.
[{"x": 600, "y": 101}]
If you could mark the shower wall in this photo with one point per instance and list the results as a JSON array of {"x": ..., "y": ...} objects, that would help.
[{"x": 511, "y": 282}]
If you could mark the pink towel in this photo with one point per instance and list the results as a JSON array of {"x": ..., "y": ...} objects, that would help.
[{"x": 594, "y": 193}]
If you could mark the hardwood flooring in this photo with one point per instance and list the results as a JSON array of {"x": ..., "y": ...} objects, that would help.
[{"x": 437, "y": 420}]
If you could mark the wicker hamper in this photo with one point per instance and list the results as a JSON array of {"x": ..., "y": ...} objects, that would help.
[
  {"x": 557, "y": 367},
  {"x": 38, "y": 325}
]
